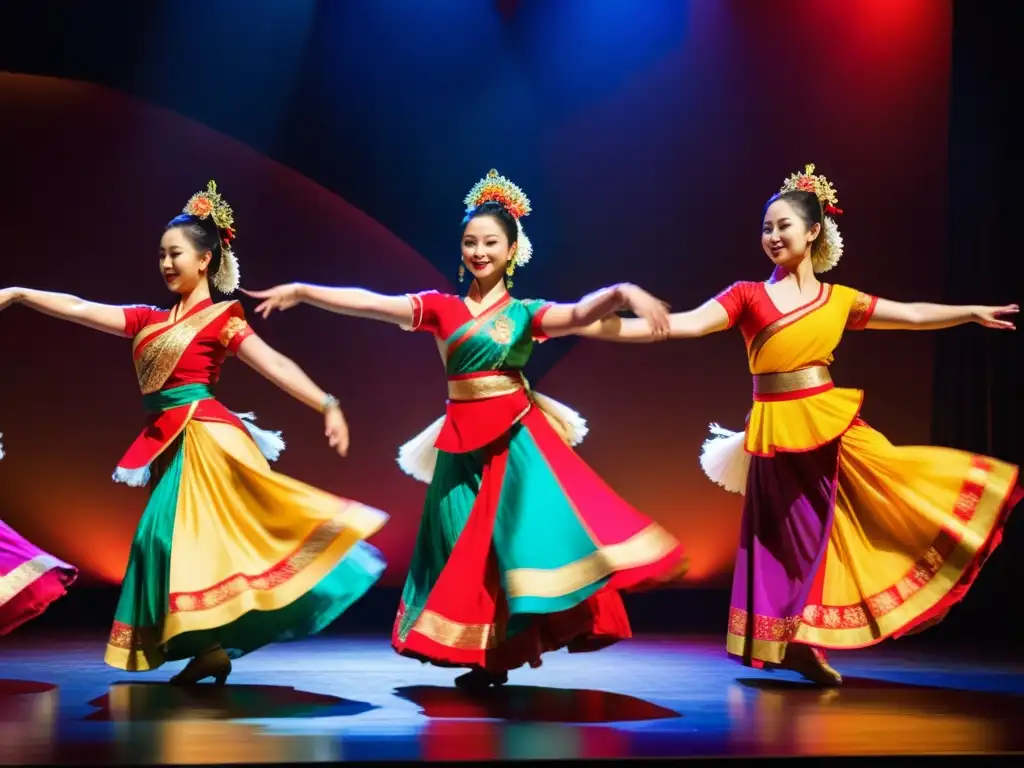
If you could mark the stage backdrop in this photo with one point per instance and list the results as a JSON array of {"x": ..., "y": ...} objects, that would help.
[{"x": 647, "y": 142}]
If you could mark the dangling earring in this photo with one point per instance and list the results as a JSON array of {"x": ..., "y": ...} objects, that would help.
[
  {"x": 508, "y": 272},
  {"x": 462, "y": 272}
]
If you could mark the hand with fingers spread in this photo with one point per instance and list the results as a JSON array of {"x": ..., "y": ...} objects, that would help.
[
  {"x": 993, "y": 317},
  {"x": 280, "y": 297}
]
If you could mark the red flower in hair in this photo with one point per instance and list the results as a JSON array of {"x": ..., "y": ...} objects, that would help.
[
  {"x": 201, "y": 207},
  {"x": 833, "y": 210},
  {"x": 806, "y": 184}
]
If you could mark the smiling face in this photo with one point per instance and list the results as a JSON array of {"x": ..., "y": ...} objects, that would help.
[
  {"x": 182, "y": 265},
  {"x": 485, "y": 247},
  {"x": 786, "y": 235}
]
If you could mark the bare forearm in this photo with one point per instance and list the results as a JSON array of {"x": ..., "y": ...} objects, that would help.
[
  {"x": 356, "y": 302},
  {"x": 597, "y": 306},
  {"x": 922, "y": 316},
  {"x": 64, "y": 306},
  {"x": 286, "y": 374}
]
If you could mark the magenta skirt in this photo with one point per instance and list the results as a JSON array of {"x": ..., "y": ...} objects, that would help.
[{"x": 30, "y": 579}]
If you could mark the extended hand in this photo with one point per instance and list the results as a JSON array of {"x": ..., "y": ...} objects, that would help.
[
  {"x": 336, "y": 430},
  {"x": 990, "y": 317},
  {"x": 280, "y": 297},
  {"x": 8, "y": 296},
  {"x": 650, "y": 308}
]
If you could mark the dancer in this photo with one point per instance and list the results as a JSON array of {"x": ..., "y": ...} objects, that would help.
[
  {"x": 228, "y": 556},
  {"x": 522, "y": 549},
  {"x": 846, "y": 539},
  {"x": 30, "y": 579}
]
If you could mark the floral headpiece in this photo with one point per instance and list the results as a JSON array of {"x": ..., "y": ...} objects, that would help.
[
  {"x": 828, "y": 253},
  {"x": 496, "y": 188},
  {"x": 210, "y": 203}
]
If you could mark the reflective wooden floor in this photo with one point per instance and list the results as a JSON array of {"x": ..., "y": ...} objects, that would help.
[{"x": 352, "y": 699}]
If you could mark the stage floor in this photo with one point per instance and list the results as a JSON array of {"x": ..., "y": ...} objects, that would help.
[{"x": 338, "y": 698}]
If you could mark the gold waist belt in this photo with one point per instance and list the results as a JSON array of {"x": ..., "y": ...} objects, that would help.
[
  {"x": 791, "y": 381},
  {"x": 482, "y": 387}
]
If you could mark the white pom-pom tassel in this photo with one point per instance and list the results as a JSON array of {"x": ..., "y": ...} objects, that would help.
[
  {"x": 569, "y": 424},
  {"x": 724, "y": 459},
  {"x": 136, "y": 478},
  {"x": 1, "y": 445},
  {"x": 418, "y": 457},
  {"x": 271, "y": 444}
]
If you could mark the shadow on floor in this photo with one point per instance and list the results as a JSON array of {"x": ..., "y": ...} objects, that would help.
[
  {"x": 533, "y": 704},
  {"x": 160, "y": 701}
]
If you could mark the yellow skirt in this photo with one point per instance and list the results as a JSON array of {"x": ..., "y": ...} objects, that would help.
[
  {"x": 860, "y": 540},
  {"x": 230, "y": 552}
]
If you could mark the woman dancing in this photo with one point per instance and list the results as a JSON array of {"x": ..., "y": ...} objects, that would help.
[
  {"x": 846, "y": 539},
  {"x": 228, "y": 556},
  {"x": 30, "y": 579},
  {"x": 522, "y": 548}
]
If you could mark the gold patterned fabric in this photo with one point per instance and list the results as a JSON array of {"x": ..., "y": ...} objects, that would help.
[
  {"x": 157, "y": 360},
  {"x": 791, "y": 381},
  {"x": 483, "y": 387}
]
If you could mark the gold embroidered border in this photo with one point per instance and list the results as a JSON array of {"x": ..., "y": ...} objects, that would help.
[
  {"x": 173, "y": 316},
  {"x": 648, "y": 546},
  {"x": 791, "y": 381},
  {"x": 860, "y": 311},
  {"x": 771, "y": 329},
  {"x": 133, "y": 649},
  {"x": 304, "y": 555},
  {"x": 483, "y": 387},
  {"x": 224, "y": 603},
  {"x": 159, "y": 357},
  {"x": 921, "y": 588},
  {"x": 452, "y": 634},
  {"x": 26, "y": 574},
  {"x": 765, "y": 627}
]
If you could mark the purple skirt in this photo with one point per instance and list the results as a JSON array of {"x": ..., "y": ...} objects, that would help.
[{"x": 859, "y": 540}]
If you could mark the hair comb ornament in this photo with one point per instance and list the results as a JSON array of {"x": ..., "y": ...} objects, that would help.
[
  {"x": 496, "y": 188},
  {"x": 209, "y": 203},
  {"x": 827, "y": 255}
]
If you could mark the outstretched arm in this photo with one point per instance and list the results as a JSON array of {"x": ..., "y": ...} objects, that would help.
[
  {"x": 287, "y": 375},
  {"x": 708, "y": 318},
  {"x": 895, "y": 315},
  {"x": 565, "y": 319},
  {"x": 64, "y": 306},
  {"x": 356, "y": 302}
]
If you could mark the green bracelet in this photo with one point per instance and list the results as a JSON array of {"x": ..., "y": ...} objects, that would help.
[{"x": 329, "y": 401}]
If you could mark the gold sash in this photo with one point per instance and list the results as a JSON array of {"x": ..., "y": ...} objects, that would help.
[
  {"x": 483, "y": 387},
  {"x": 791, "y": 381}
]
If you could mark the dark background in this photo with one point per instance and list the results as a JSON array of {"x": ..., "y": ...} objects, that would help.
[{"x": 647, "y": 134}]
